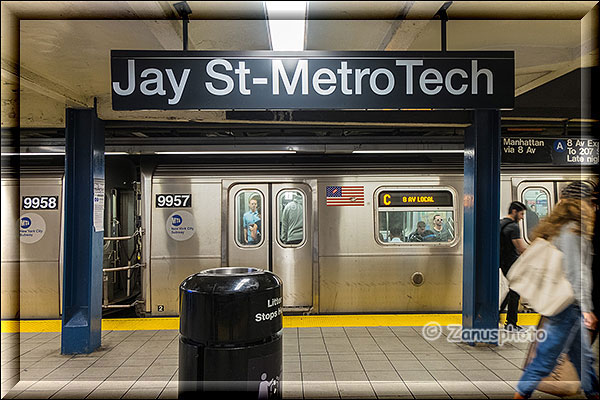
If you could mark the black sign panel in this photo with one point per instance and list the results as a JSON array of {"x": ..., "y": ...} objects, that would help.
[
  {"x": 426, "y": 198},
  {"x": 173, "y": 80},
  {"x": 169, "y": 200},
  {"x": 550, "y": 151},
  {"x": 39, "y": 202}
]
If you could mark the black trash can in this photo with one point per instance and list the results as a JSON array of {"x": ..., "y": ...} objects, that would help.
[{"x": 230, "y": 334}]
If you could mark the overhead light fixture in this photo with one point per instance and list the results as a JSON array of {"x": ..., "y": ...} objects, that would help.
[
  {"x": 108, "y": 153},
  {"x": 287, "y": 24},
  {"x": 34, "y": 154},
  {"x": 416, "y": 151},
  {"x": 226, "y": 152}
]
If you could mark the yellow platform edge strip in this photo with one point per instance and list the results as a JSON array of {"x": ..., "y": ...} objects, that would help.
[{"x": 289, "y": 321}]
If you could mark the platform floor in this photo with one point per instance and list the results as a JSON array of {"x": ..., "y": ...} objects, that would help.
[{"x": 332, "y": 362}]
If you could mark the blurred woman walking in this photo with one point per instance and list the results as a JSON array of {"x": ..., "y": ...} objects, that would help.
[{"x": 569, "y": 227}]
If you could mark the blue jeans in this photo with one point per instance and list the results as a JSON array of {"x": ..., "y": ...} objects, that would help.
[{"x": 565, "y": 333}]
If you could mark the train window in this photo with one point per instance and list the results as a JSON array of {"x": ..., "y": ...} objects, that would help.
[
  {"x": 536, "y": 200},
  {"x": 415, "y": 216},
  {"x": 249, "y": 211},
  {"x": 291, "y": 215},
  {"x": 416, "y": 226}
]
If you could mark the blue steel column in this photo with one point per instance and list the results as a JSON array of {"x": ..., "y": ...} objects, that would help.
[
  {"x": 481, "y": 223},
  {"x": 82, "y": 277}
]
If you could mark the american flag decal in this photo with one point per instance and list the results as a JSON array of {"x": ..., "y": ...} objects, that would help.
[{"x": 345, "y": 195}]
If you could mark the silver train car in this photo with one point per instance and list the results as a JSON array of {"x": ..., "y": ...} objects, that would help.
[
  {"x": 343, "y": 239},
  {"x": 32, "y": 241},
  {"x": 30, "y": 261}
]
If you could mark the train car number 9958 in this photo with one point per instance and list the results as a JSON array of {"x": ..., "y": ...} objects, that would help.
[
  {"x": 168, "y": 200},
  {"x": 39, "y": 202}
]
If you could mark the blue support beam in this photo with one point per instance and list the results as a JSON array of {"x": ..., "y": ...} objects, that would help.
[
  {"x": 481, "y": 225},
  {"x": 83, "y": 232}
]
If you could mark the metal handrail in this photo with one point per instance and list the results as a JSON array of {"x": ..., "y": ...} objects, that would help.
[
  {"x": 136, "y": 233},
  {"x": 123, "y": 305},
  {"x": 136, "y": 265}
]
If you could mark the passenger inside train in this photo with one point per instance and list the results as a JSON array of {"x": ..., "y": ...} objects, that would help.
[
  {"x": 421, "y": 234},
  {"x": 291, "y": 230},
  {"x": 440, "y": 230},
  {"x": 396, "y": 234},
  {"x": 251, "y": 220},
  {"x": 392, "y": 223}
]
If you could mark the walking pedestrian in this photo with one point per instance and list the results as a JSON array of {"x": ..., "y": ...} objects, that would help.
[
  {"x": 569, "y": 227},
  {"x": 511, "y": 246}
]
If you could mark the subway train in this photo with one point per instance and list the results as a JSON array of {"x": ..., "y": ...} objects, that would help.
[{"x": 343, "y": 238}]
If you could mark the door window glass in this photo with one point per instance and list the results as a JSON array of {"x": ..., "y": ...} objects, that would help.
[
  {"x": 249, "y": 218},
  {"x": 536, "y": 200},
  {"x": 290, "y": 217}
]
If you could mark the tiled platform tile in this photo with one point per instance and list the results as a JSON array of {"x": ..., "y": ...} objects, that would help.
[{"x": 357, "y": 362}]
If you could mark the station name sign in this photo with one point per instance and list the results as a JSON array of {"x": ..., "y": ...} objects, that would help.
[{"x": 257, "y": 80}]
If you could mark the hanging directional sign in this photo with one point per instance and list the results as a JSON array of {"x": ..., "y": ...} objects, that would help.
[
  {"x": 175, "y": 80},
  {"x": 550, "y": 151}
]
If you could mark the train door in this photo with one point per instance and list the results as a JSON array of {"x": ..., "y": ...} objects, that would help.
[
  {"x": 249, "y": 219},
  {"x": 292, "y": 241},
  {"x": 539, "y": 197},
  {"x": 270, "y": 227}
]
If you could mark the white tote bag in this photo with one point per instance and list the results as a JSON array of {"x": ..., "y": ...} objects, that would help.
[
  {"x": 503, "y": 290},
  {"x": 538, "y": 277}
]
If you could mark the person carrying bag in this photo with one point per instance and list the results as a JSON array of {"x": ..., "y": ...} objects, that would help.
[
  {"x": 554, "y": 277},
  {"x": 538, "y": 277}
]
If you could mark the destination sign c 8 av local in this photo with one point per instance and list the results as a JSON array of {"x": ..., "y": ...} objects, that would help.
[{"x": 425, "y": 198}]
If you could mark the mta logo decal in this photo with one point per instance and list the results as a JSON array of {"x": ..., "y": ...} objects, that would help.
[
  {"x": 176, "y": 220},
  {"x": 25, "y": 222}
]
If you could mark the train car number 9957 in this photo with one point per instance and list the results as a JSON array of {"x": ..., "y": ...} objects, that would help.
[
  {"x": 39, "y": 202},
  {"x": 168, "y": 200}
]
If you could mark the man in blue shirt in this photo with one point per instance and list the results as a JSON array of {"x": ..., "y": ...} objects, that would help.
[{"x": 252, "y": 223}]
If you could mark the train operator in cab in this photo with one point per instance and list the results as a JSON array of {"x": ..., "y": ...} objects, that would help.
[
  {"x": 511, "y": 246},
  {"x": 252, "y": 223},
  {"x": 440, "y": 230},
  {"x": 421, "y": 234}
]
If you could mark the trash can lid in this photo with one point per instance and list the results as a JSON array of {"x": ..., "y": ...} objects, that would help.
[
  {"x": 232, "y": 271},
  {"x": 230, "y": 280}
]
